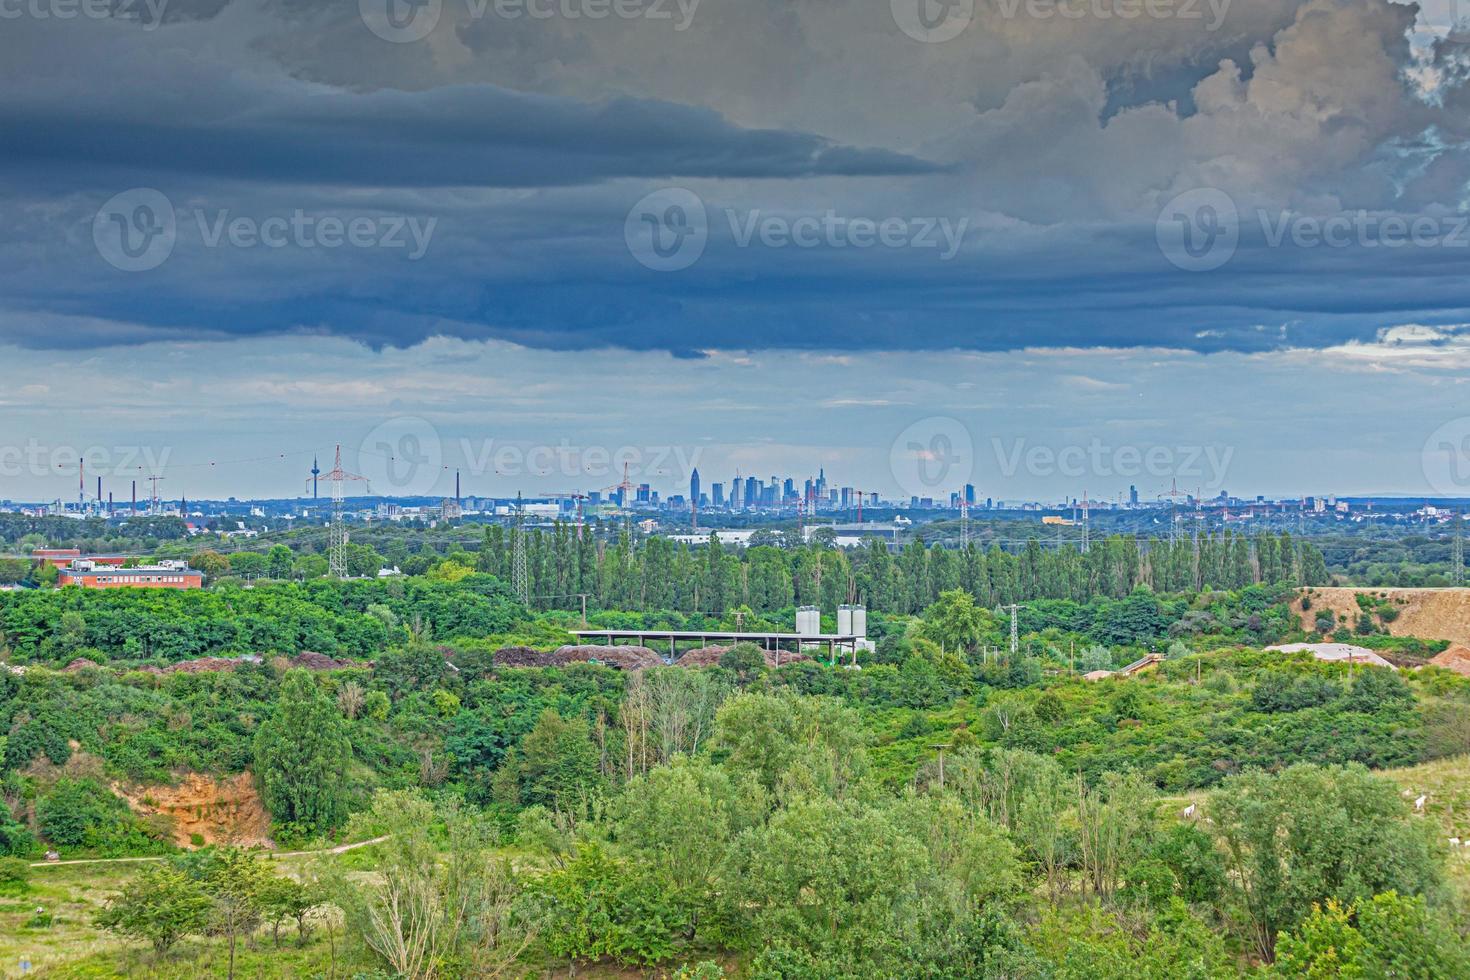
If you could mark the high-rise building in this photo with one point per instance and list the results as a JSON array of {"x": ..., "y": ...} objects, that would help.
[
  {"x": 694, "y": 485},
  {"x": 717, "y": 494},
  {"x": 752, "y": 492},
  {"x": 1133, "y": 495},
  {"x": 969, "y": 495}
]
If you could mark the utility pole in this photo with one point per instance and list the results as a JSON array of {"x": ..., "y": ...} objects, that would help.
[
  {"x": 941, "y": 749},
  {"x": 1015, "y": 634}
]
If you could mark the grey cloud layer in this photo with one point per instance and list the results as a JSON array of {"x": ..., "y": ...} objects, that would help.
[{"x": 1056, "y": 141}]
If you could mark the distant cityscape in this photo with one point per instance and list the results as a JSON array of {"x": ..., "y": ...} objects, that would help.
[{"x": 739, "y": 499}]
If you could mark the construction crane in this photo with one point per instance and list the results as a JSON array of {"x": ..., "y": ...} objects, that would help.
[{"x": 624, "y": 489}]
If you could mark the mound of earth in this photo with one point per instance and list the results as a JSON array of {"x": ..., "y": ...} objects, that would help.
[
  {"x": 1430, "y": 614},
  {"x": 525, "y": 657},
  {"x": 218, "y": 811},
  {"x": 1456, "y": 658},
  {"x": 780, "y": 658},
  {"x": 204, "y": 665},
  {"x": 702, "y": 657},
  {"x": 81, "y": 663},
  {"x": 318, "y": 661},
  {"x": 623, "y": 658}
]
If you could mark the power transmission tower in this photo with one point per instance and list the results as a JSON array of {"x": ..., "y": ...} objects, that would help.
[
  {"x": 1086, "y": 524},
  {"x": 964, "y": 520},
  {"x": 337, "y": 530},
  {"x": 1015, "y": 634},
  {"x": 1174, "y": 493},
  {"x": 1457, "y": 555},
  {"x": 520, "y": 581}
]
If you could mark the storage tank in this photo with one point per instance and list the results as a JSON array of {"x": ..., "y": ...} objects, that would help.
[
  {"x": 844, "y": 620},
  {"x": 808, "y": 621},
  {"x": 860, "y": 621}
]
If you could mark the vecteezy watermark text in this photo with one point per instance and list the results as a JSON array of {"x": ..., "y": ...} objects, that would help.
[
  {"x": 669, "y": 229},
  {"x": 37, "y": 459},
  {"x": 149, "y": 13},
  {"x": 137, "y": 230},
  {"x": 936, "y": 21},
  {"x": 406, "y": 21},
  {"x": 405, "y": 456},
  {"x": 831, "y": 230},
  {"x": 1201, "y": 230},
  {"x": 1205, "y": 463}
]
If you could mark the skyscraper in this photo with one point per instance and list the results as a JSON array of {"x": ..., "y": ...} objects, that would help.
[{"x": 694, "y": 486}]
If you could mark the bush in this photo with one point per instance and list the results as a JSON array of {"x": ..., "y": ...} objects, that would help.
[
  {"x": 15, "y": 874},
  {"x": 84, "y": 814}
]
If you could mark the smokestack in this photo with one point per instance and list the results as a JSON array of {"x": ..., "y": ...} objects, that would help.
[
  {"x": 135, "y": 496},
  {"x": 109, "y": 501}
]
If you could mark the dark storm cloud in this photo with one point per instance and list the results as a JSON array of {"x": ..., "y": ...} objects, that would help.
[
  {"x": 471, "y": 136},
  {"x": 1058, "y": 166}
]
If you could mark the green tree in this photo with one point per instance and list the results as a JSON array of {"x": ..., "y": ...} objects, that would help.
[
  {"x": 1387, "y": 936},
  {"x": 161, "y": 906},
  {"x": 955, "y": 622},
  {"x": 301, "y": 756},
  {"x": 1314, "y": 833}
]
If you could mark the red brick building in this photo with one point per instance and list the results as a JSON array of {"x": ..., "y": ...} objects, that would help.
[{"x": 170, "y": 575}]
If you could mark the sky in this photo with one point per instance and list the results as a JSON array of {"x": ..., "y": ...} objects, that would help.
[{"x": 1045, "y": 248}]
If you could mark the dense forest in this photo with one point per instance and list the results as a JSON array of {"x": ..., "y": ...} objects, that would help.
[{"x": 950, "y": 808}]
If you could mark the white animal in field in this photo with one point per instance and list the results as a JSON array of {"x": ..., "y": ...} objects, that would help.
[
  {"x": 1189, "y": 811},
  {"x": 1454, "y": 842},
  {"x": 1419, "y": 803}
]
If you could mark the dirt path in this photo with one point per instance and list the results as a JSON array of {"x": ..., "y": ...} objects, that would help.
[{"x": 271, "y": 855}]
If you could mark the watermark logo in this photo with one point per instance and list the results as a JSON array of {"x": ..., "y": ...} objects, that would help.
[
  {"x": 1211, "y": 13},
  {"x": 402, "y": 457},
  {"x": 299, "y": 229},
  {"x": 41, "y": 460},
  {"x": 1199, "y": 230},
  {"x": 135, "y": 231},
  {"x": 832, "y": 230},
  {"x": 932, "y": 21},
  {"x": 1446, "y": 458},
  {"x": 148, "y": 13},
  {"x": 931, "y": 455},
  {"x": 667, "y": 230},
  {"x": 138, "y": 230},
  {"x": 400, "y": 21},
  {"x": 1206, "y": 464}
]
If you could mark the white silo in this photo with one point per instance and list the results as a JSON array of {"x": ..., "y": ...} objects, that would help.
[
  {"x": 808, "y": 621},
  {"x": 844, "y": 620}
]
